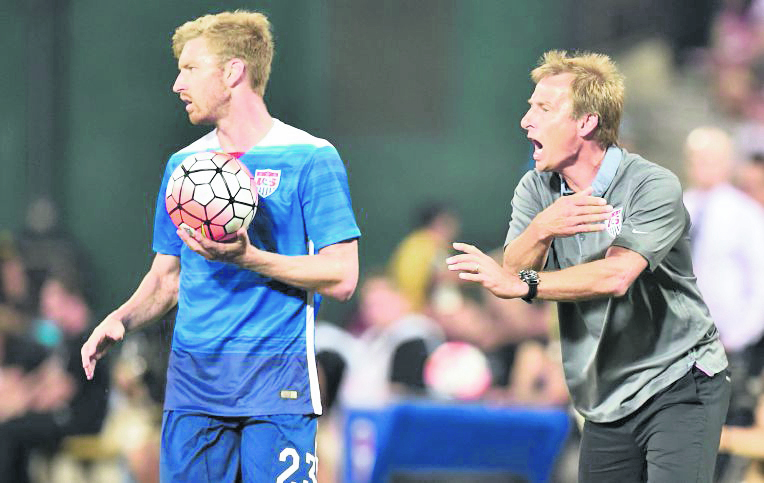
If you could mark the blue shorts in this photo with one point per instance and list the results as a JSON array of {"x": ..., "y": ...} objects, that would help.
[{"x": 204, "y": 448}]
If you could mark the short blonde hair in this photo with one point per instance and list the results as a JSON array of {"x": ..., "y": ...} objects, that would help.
[
  {"x": 597, "y": 88},
  {"x": 240, "y": 34}
]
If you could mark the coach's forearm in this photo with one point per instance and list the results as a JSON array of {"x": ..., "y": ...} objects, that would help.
[
  {"x": 609, "y": 277},
  {"x": 529, "y": 250}
]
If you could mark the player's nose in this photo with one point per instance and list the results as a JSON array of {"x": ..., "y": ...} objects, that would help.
[{"x": 178, "y": 85}]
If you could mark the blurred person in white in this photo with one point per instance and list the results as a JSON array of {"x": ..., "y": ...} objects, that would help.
[
  {"x": 750, "y": 177},
  {"x": 388, "y": 360},
  {"x": 726, "y": 235},
  {"x": 382, "y": 364}
]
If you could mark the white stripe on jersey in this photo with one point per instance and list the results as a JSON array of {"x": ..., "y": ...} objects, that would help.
[{"x": 310, "y": 327}]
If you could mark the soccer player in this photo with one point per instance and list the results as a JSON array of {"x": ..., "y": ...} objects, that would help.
[
  {"x": 642, "y": 357},
  {"x": 242, "y": 393}
]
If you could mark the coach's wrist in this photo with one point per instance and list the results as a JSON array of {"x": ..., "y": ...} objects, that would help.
[{"x": 539, "y": 232}]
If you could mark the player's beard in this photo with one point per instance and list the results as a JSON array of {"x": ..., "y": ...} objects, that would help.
[{"x": 215, "y": 108}]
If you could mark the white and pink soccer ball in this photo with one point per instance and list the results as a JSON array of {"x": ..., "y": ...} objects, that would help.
[{"x": 212, "y": 192}]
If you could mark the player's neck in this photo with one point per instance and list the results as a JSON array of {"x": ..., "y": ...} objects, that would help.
[
  {"x": 245, "y": 125},
  {"x": 581, "y": 172}
]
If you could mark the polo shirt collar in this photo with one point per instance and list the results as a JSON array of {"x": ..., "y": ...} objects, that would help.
[{"x": 605, "y": 174}]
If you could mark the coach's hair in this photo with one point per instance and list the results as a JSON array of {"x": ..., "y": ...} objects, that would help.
[
  {"x": 597, "y": 88},
  {"x": 240, "y": 34}
]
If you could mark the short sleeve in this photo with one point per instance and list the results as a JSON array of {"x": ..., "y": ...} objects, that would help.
[
  {"x": 654, "y": 220},
  {"x": 325, "y": 199},
  {"x": 526, "y": 204},
  {"x": 166, "y": 240}
]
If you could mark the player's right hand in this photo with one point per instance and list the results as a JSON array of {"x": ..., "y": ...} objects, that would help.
[
  {"x": 105, "y": 335},
  {"x": 569, "y": 215}
]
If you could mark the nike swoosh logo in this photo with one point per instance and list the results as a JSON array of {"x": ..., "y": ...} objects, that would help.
[{"x": 639, "y": 232}]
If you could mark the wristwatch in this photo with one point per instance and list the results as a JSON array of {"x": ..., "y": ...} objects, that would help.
[{"x": 531, "y": 277}]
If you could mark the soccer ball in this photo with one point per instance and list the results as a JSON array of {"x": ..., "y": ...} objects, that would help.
[
  {"x": 212, "y": 192},
  {"x": 457, "y": 370}
]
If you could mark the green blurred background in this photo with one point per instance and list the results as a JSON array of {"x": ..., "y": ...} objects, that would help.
[{"x": 422, "y": 99}]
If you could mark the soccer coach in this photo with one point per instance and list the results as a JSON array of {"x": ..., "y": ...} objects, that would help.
[{"x": 642, "y": 357}]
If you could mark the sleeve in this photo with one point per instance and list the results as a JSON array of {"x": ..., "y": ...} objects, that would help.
[
  {"x": 325, "y": 199},
  {"x": 655, "y": 219},
  {"x": 408, "y": 364},
  {"x": 526, "y": 204},
  {"x": 166, "y": 241}
]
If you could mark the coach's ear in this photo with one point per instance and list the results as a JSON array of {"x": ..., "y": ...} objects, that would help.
[
  {"x": 587, "y": 124},
  {"x": 235, "y": 72}
]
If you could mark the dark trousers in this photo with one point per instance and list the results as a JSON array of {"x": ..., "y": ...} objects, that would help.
[
  {"x": 673, "y": 438},
  {"x": 18, "y": 437}
]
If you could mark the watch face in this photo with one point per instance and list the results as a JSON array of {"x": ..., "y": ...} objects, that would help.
[{"x": 529, "y": 276}]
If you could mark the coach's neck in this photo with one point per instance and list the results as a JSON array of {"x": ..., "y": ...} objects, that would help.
[{"x": 581, "y": 171}]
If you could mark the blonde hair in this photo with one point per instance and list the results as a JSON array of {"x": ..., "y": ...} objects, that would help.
[
  {"x": 240, "y": 34},
  {"x": 597, "y": 88}
]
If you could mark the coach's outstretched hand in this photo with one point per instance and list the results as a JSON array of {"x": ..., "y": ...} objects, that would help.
[
  {"x": 230, "y": 251},
  {"x": 475, "y": 266},
  {"x": 569, "y": 215},
  {"x": 105, "y": 335}
]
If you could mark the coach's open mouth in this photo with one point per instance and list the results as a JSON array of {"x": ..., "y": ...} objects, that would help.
[{"x": 537, "y": 147}]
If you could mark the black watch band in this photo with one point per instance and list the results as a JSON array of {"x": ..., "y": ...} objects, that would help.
[{"x": 531, "y": 277}]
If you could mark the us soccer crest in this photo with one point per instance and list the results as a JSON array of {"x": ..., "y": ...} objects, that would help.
[
  {"x": 267, "y": 180},
  {"x": 615, "y": 221}
]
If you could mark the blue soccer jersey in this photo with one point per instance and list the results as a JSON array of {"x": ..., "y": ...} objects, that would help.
[{"x": 243, "y": 342}]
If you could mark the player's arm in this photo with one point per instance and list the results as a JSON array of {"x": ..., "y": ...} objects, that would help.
[
  {"x": 610, "y": 277},
  {"x": 568, "y": 215},
  {"x": 333, "y": 271},
  {"x": 154, "y": 297}
]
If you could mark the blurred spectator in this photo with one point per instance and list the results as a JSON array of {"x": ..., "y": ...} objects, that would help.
[
  {"x": 383, "y": 363},
  {"x": 388, "y": 359},
  {"x": 45, "y": 246},
  {"x": 751, "y": 178},
  {"x": 736, "y": 54},
  {"x": 45, "y": 396},
  {"x": 747, "y": 442},
  {"x": 15, "y": 293},
  {"x": 727, "y": 234},
  {"x": 418, "y": 258},
  {"x": 535, "y": 376}
]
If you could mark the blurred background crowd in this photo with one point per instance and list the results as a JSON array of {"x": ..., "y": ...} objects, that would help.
[{"x": 428, "y": 101}]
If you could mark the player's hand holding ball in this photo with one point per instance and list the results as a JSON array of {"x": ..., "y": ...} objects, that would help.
[{"x": 229, "y": 251}]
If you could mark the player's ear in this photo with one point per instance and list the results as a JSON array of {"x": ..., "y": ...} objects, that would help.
[
  {"x": 235, "y": 72},
  {"x": 587, "y": 124}
]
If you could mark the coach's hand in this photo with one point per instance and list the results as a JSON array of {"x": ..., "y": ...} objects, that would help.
[
  {"x": 577, "y": 213},
  {"x": 231, "y": 251},
  {"x": 105, "y": 335},
  {"x": 475, "y": 266}
]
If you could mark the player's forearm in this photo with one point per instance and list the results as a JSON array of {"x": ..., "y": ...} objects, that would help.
[
  {"x": 155, "y": 296},
  {"x": 529, "y": 250},
  {"x": 328, "y": 275}
]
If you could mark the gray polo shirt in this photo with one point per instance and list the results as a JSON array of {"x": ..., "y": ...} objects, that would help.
[{"x": 619, "y": 351}]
